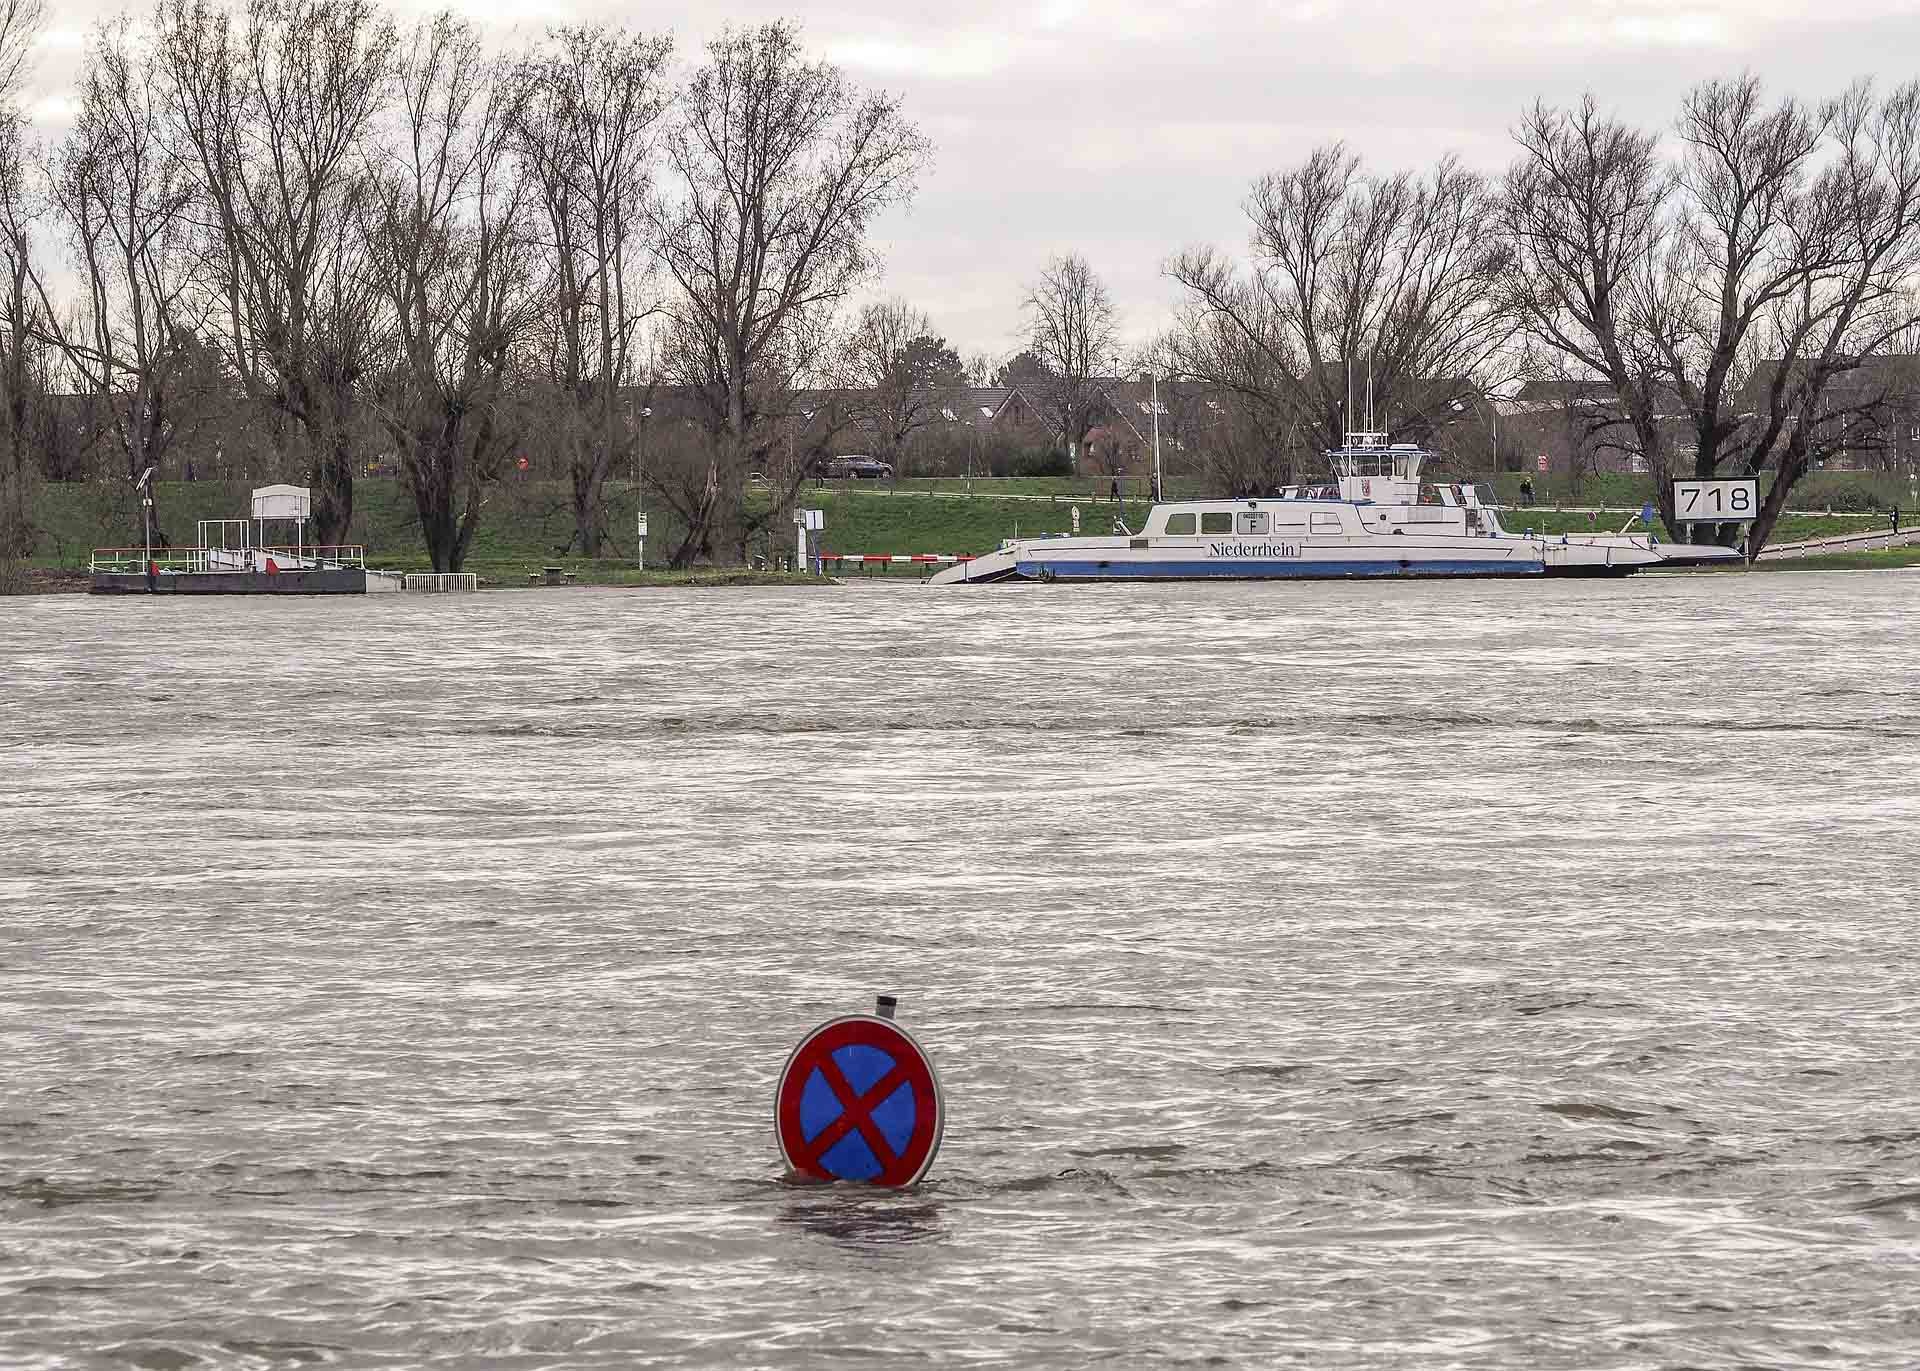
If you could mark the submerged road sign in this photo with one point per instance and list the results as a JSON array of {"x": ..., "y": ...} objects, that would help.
[{"x": 858, "y": 1101}]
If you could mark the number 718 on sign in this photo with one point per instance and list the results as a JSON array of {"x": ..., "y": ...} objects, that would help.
[{"x": 1735, "y": 501}]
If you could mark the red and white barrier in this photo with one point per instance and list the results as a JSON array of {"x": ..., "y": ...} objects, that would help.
[{"x": 909, "y": 558}]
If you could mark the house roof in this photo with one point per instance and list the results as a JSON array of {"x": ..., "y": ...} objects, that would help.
[{"x": 973, "y": 404}]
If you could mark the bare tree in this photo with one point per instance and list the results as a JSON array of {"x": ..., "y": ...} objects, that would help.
[
  {"x": 127, "y": 206},
  {"x": 1376, "y": 287},
  {"x": 1074, "y": 330},
  {"x": 1251, "y": 433},
  {"x": 803, "y": 406},
  {"x": 782, "y": 165},
  {"x": 272, "y": 109},
  {"x": 587, "y": 106},
  {"x": 19, "y": 25},
  {"x": 459, "y": 292},
  {"x": 1722, "y": 293},
  {"x": 904, "y": 372}
]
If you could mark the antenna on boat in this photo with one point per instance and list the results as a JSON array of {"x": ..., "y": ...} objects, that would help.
[
  {"x": 1346, "y": 415},
  {"x": 1370, "y": 427}
]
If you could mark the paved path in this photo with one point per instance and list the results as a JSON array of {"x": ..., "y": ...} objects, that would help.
[{"x": 1882, "y": 537}]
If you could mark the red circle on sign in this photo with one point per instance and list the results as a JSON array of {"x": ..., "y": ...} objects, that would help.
[{"x": 836, "y": 1135}]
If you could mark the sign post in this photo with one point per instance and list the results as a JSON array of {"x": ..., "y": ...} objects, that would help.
[
  {"x": 1735, "y": 501},
  {"x": 858, "y": 1101},
  {"x": 640, "y": 525},
  {"x": 806, "y": 522}
]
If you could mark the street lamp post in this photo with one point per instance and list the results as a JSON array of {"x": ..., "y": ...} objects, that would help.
[
  {"x": 1156, "y": 435},
  {"x": 145, "y": 487}
]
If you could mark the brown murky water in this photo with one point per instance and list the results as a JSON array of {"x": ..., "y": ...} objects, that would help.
[{"x": 1411, "y": 975}]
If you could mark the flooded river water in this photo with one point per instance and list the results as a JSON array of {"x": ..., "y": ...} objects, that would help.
[{"x": 1406, "y": 975}]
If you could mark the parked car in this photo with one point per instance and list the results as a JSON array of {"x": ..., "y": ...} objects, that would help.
[{"x": 859, "y": 468}]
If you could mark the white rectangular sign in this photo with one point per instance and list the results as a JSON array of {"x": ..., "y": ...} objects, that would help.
[
  {"x": 642, "y": 519},
  {"x": 1714, "y": 502}
]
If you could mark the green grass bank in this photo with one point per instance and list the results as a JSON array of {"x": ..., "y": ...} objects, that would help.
[{"x": 525, "y": 524}]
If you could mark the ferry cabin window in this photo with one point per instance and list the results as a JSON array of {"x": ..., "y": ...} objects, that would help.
[
  {"x": 1217, "y": 522},
  {"x": 1179, "y": 523},
  {"x": 1327, "y": 523},
  {"x": 1253, "y": 521}
]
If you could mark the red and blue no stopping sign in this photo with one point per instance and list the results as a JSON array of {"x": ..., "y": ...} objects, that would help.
[{"x": 858, "y": 1101}]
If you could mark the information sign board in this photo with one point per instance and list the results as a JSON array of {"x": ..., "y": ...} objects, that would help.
[{"x": 1716, "y": 502}]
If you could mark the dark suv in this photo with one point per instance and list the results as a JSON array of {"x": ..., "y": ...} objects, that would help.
[{"x": 859, "y": 468}]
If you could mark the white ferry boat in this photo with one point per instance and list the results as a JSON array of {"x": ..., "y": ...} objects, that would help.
[{"x": 1379, "y": 520}]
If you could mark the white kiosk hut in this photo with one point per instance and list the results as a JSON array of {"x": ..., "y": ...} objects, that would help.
[
  {"x": 282, "y": 505},
  {"x": 244, "y": 544}
]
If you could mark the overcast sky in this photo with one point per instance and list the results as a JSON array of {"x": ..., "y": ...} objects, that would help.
[{"x": 1125, "y": 131}]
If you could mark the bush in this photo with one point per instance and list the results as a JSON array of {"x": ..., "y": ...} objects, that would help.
[
  {"x": 1842, "y": 495},
  {"x": 1041, "y": 464}
]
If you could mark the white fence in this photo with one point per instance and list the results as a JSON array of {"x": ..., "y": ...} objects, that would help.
[{"x": 442, "y": 582}]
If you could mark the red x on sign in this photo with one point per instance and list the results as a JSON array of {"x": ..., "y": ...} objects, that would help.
[{"x": 858, "y": 1101}]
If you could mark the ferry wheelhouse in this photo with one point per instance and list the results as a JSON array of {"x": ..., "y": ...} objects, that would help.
[{"x": 1378, "y": 519}]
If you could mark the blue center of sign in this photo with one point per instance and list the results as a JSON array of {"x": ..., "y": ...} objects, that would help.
[
  {"x": 863, "y": 1066},
  {"x": 851, "y": 1158}
]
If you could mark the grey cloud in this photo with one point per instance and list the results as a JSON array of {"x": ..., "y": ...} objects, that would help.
[{"x": 1126, "y": 132}]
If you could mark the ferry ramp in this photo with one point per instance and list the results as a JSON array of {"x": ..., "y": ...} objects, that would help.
[{"x": 982, "y": 570}]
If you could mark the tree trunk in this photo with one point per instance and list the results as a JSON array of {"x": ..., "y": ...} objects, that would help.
[
  {"x": 331, "y": 476},
  {"x": 587, "y": 528},
  {"x": 699, "y": 539},
  {"x": 429, "y": 476},
  {"x": 587, "y": 472}
]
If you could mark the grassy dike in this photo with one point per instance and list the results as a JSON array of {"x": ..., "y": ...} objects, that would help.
[{"x": 524, "y": 524}]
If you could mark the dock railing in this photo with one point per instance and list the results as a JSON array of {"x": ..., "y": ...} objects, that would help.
[
  {"x": 326, "y": 557},
  {"x": 441, "y": 582},
  {"x": 132, "y": 561},
  {"x": 195, "y": 561}
]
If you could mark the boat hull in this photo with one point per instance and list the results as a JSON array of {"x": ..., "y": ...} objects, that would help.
[
  {"x": 313, "y": 581},
  {"x": 1316, "y": 569},
  {"x": 1324, "y": 540}
]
